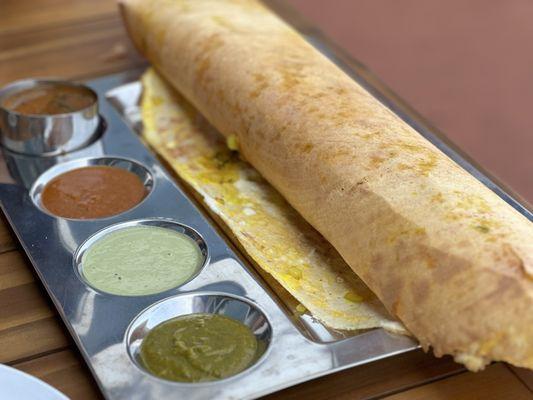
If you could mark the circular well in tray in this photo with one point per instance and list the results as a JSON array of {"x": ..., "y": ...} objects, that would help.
[
  {"x": 235, "y": 307},
  {"x": 133, "y": 167},
  {"x": 165, "y": 258}
]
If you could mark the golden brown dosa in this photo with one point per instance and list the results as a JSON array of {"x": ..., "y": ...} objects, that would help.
[
  {"x": 255, "y": 216},
  {"x": 446, "y": 255}
]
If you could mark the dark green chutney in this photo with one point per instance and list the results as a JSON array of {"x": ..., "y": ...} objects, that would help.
[{"x": 198, "y": 348}]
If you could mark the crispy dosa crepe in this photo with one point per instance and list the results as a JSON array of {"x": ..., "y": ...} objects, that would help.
[
  {"x": 444, "y": 254},
  {"x": 268, "y": 229}
]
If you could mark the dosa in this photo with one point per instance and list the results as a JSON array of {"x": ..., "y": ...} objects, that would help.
[
  {"x": 444, "y": 254},
  {"x": 255, "y": 216}
]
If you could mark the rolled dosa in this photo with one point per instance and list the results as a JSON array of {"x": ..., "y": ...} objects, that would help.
[
  {"x": 444, "y": 254},
  {"x": 255, "y": 216}
]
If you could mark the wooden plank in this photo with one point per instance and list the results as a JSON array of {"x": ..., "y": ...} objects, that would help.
[
  {"x": 71, "y": 51},
  {"x": 374, "y": 379},
  {"x": 20, "y": 16},
  {"x": 494, "y": 383},
  {"x": 28, "y": 323},
  {"x": 66, "y": 372},
  {"x": 26, "y": 42},
  {"x": 22, "y": 298},
  {"x": 22, "y": 305},
  {"x": 31, "y": 340},
  {"x": 7, "y": 237},
  {"x": 13, "y": 271}
]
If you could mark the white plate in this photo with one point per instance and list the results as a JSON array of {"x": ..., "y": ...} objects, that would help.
[{"x": 15, "y": 384}]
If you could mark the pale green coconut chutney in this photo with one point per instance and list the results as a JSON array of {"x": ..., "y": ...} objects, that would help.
[{"x": 141, "y": 260}]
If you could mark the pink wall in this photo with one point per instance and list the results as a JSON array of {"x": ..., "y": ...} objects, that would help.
[{"x": 467, "y": 66}]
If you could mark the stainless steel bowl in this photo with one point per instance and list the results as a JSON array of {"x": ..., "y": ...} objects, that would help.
[
  {"x": 119, "y": 162},
  {"x": 236, "y": 307},
  {"x": 164, "y": 223},
  {"x": 46, "y": 134}
]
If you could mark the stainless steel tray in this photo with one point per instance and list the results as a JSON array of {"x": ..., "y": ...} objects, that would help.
[{"x": 108, "y": 328}]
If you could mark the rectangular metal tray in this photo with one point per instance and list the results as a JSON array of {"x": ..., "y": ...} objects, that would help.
[
  {"x": 300, "y": 348},
  {"x": 98, "y": 322}
]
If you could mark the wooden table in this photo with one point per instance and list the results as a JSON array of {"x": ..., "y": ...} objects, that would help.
[{"x": 82, "y": 39}]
